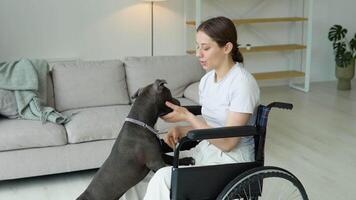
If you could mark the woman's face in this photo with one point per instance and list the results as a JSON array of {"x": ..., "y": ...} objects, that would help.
[{"x": 208, "y": 51}]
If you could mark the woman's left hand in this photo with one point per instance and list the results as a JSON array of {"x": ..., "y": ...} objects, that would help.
[{"x": 178, "y": 114}]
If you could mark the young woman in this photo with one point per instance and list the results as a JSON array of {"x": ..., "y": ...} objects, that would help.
[{"x": 229, "y": 96}]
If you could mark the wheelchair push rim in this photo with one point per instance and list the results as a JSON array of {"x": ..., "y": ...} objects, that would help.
[{"x": 264, "y": 183}]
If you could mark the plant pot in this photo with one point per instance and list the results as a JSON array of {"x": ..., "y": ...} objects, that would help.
[{"x": 344, "y": 76}]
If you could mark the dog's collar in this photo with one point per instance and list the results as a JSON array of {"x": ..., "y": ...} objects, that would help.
[{"x": 127, "y": 119}]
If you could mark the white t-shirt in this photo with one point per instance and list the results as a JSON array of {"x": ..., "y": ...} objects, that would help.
[{"x": 238, "y": 91}]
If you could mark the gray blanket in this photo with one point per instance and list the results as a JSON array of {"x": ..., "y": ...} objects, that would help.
[{"x": 28, "y": 79}]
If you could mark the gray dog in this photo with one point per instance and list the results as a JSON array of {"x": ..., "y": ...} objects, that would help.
[{"x": 137, "y": 148}]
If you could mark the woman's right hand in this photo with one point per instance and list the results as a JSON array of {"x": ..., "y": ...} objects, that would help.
[
  {"x": 172, "y": 137},
  {"x": 174, "y": 134}
]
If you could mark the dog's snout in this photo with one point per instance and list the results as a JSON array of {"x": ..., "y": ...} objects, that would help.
[{"x": 175, "y": 101}]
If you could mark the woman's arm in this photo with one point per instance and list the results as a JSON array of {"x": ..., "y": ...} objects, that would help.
[{"x": 233, "y": 119}]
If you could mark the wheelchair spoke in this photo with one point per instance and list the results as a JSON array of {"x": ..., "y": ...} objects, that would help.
[
  {"x": 245, "y": 194},
  {"x": 293, "y": 194},
  {"x": 249, "y": 190},
  {"x": 282, "y": 192},
  {"x": 279, "y": 189},
  {"x": 265, "y": 184},
  {"x": 259, "y": 186}
]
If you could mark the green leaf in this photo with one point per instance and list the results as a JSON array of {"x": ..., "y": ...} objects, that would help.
[
  {"x": 337, "y": 32},
  {"x": 348, "y": 57},
  {"x": 353, "y": 44},
  {"x": 345, "y": 52},
  {"x": 339, "y": 47},
  {"x": 343, "y": 59}
]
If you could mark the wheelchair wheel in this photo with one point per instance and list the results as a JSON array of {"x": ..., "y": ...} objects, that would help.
[{"x": 264, "y": 183}]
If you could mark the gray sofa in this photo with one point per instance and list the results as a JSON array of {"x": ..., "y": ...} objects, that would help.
[{"x": 96, "y": 94}]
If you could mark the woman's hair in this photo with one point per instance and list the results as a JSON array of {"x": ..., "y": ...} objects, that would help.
[{"x": 222, "y": 30}]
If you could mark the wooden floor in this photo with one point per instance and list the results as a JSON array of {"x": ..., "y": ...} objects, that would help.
[{"x": 316, "y": 141}]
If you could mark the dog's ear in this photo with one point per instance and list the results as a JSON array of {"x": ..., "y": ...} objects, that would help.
[
  {"x": 137, "y": 93},
  {"x": 159, "y": 84}
]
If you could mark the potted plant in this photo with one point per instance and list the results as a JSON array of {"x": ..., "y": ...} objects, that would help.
[{"x": 345, "y": 54}]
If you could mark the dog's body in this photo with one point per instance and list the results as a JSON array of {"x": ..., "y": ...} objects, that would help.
[{"x": 136, "y": 150}]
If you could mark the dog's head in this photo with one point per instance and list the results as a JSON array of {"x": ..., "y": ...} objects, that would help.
[{"x": 157, "y": 94}]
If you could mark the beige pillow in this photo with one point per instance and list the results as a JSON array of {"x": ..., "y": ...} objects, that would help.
[
  {"x": 8, "y": 106},
  {"x": 192, "y": 92},
  {"x": 85, "y": 84}
]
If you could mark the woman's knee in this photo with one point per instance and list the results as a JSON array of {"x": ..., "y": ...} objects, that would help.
[{"x": 163, "y": 175}]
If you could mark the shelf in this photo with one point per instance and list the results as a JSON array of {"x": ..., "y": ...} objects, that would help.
[
  {"x": 306, "y": 29},
  {"x": 261, "y": 20},
  {"x": 281, "y": 47},
  {"x": 267, "y": 48},
  {"x": 278, "y": 75}
]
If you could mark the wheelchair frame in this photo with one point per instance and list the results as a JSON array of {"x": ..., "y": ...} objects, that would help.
[{"x": 206, "y": 182}]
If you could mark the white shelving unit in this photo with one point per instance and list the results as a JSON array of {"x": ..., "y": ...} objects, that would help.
[{"x": 306, "y": 45}]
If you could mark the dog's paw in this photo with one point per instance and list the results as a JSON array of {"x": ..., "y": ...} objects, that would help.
[{"x": 187, "y": 161}]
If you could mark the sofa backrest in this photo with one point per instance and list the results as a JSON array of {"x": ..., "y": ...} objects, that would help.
[
  {"x": 81, "y": 84},
  {"x": 178, "y": 71}
]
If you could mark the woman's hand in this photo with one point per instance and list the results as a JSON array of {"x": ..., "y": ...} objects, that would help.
[
  {"x": 173, "y": 136},
  {"x": 178, "y": 114}
]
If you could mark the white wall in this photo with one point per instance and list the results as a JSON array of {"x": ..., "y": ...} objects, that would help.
[
  {"x": 108, "y": 29},
  {"x": 326, "y": 14},
  {"x": 86, "y": 29}
]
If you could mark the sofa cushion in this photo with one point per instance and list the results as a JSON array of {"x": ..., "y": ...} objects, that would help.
[
  {"x": 95, "y": 123},
  {"x": 163, "y": 126},
  {"x": 178, "y": 71},
  {"x": 82, "y": 84},
  {"x": 20, "y": 134},
  {"x": 192, "y": 92}
]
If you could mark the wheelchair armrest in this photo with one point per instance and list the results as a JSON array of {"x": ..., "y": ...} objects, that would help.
[
  {"x": 223, "y": 132},
  {"x": 281, "y": 105},
  {"x": 213, "y": 133},
  {"x": 196, "y": 110}
]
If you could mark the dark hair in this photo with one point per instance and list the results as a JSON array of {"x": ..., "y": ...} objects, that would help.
[{"x": 222, "y": 30}]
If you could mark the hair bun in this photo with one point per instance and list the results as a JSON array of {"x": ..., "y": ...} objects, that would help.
[{"x": 236, "y": 54}]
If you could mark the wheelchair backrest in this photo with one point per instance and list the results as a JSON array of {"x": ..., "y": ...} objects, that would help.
[{"x": 261, "y": 126}]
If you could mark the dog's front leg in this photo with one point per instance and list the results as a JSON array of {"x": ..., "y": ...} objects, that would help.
[
  {"x": 182, "y": 161},
  {"x": 155, "y": 165}
]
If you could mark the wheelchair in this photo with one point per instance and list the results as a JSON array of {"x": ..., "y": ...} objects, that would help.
[{"x": 242, "y": 181}]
